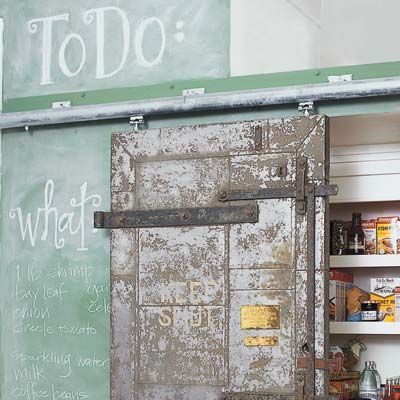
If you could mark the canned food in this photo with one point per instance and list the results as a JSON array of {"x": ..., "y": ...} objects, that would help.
[{"x": 370, "y": 311}]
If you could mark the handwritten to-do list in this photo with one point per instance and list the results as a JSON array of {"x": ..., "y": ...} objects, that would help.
[{"x": 58, "y": 306}]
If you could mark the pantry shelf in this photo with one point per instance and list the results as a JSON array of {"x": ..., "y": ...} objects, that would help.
[
  {"x": 365, "y": 328},
  {"x": 365, "y": 261}
]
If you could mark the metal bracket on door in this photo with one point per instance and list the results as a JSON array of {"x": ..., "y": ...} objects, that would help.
[
  {"x": 177, "y": 217},
  {"x": 297, "y": 191},
  {"x": 135, "y": 121}
]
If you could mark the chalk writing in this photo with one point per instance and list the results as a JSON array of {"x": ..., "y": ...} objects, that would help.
[
  {"x": 32, "y": 391},
  {"x": 99, "y": 13},
  {"x": 98, "y": 17},
  {"x": 41, "y": 297},
  {"x": 73, "y": 222},
  {"x": 45, "y": 329},
  {"x": 102, "y": 306},
  {"x": 92, "y": 361},
  {"x": 45, "y": 357},
  {"x": 33, "y": 373},
  {"x": 31, "y": 274},
  {"x": 59, "y": 394},
  {"x": 96, "y": 290},
  {"x": 31, "y": 312},
  {"x": 83, "y": 272},
  {"x": 54, "y": 293}
]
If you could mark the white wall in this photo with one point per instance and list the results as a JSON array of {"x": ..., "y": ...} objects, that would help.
[
  {"x": 1, "y": 64},
  {"x": 287, "y": 35},
  {"x": 273, "y": 35}
]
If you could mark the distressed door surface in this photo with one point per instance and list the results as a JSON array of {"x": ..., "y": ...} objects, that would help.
[{"x": 215, "y": 312}]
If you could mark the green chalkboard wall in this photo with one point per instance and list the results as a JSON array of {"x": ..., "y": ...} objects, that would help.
[
  {"x": 62, "y": 46},
  {"x": 54, "y": 270}
]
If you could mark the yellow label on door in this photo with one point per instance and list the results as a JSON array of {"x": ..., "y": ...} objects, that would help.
[
  {"x": 261, "y": 341},
  {"x": 260, "y": 317}
]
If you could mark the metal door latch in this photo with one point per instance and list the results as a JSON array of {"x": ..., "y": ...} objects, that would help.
[{"x": 301, "y": 165}]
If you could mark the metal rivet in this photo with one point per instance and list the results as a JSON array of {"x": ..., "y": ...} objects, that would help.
[
  {"x": 184, "y": 216},
  {"x": 223, "y": 195},
  {"x": 249, "y": 212}
]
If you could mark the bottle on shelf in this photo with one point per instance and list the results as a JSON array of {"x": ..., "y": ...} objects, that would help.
[
  {"x": 356, "y": 244},
  {"x": 382, "y": 392},
  {"x": 378, "y": 380},
  {"x": 368, "y": 385},
  {"x": 389, "y": 393}
]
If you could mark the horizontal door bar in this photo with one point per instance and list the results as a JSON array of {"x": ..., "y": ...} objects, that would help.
[
  {"x": 177, "y": 217},
  {"x": 275, "y": 193}
]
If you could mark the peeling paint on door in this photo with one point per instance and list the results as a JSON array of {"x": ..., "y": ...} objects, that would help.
[{"x": 177, "y": 293}]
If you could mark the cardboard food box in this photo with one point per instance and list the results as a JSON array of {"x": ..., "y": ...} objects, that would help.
[
  {"x": 339, "y": 283},
  {"x": 337, "y": 301},
  {"x": 382, "y": 290},
  {"x": 369, "y": 228},
  {"x": 337, "y": 275},
  {"x": 386, "y": 232},
  {"x": 397, "y": 301},
  {"x": 344, "y": 389}
]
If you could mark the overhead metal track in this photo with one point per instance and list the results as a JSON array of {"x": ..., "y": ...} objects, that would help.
[{"x": 206, "y": 102}]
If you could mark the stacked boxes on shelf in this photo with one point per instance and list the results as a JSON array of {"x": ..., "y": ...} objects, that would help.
[
  {"x": 383, "y": 291},
  {"x": 339, "y": 283}
]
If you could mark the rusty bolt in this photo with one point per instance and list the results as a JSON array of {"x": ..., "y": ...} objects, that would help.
[
  {"x": 223, "y": 195},
  {"x": 123, "y": 220},
  {"x": 249, "y": 212},
  {"x": 184, "y": 216}
]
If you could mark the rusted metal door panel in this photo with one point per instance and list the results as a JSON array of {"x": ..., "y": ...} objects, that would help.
[{"x": 220, "y": 311}]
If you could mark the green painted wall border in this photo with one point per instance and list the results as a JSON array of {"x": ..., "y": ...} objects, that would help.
[{"x": 174, "y": 89}]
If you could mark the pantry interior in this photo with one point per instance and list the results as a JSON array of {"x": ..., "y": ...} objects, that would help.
[{"x": 365, "y": 164}]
